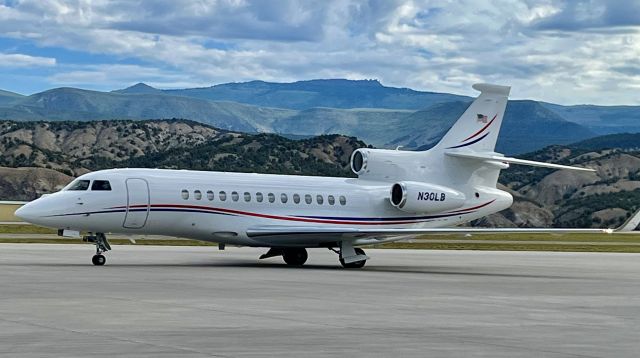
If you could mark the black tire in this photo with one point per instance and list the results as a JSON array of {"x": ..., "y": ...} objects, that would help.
[
  {"x": 98, "y": 260},
  {"x": 295, "y": 257},
  {"x": 357, "y": 264}
]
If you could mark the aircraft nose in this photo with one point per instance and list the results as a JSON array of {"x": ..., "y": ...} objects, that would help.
[{"x": 25, "y": 213}]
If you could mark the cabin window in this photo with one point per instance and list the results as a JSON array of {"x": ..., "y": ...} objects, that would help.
[
  {"x": 235, "y": 196},
  {"x": 79, "y": 185},
  {"x": 259, "y": 197},
  {"x": 308, "y": 199},
  {"x": 247, "y": 196},
  {"x": 101, "y": 185},
  {"x": 284, "y": 198},
  {"x": 209, "y": 195},
  {"x": 197, "y": 194},
  {"x": 222, "y": 195},
  {"x": 296, "y": 198},
  {"x": 271, "y": 197},
  {"x": 331, "y": 200},
  {"x": 319, "y": 199},
  {"x": 343, "y": 200},
  {"x": 185, "y": 194}
]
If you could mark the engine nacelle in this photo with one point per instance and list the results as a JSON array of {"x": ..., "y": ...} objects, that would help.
[
  {"x": 415, "y": 197},
  {"x": 382, "y": 164}
]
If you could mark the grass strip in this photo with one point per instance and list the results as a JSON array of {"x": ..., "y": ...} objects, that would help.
[
  {"x": 25, "y": 229},
  {"x": 524, "y": 241},
  {"x": 176, "y": 242},
  {"x": 536, "y": 237},
  {"x": 397, "y": 245},
  {"x": 510, "y": 247}
]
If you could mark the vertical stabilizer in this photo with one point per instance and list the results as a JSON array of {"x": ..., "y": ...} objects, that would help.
[{"x": 478, "y": 127}]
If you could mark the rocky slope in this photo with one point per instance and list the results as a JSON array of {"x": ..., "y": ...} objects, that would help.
[
  {"x": 603, "y": 198},
  {"x": 30, "y": 183},
  {"x": 74, "y": 148}
]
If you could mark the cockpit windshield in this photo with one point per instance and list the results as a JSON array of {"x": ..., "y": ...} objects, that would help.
[
  {"x": 103, "y": 185},
  {"x": 79, "y": 185}
]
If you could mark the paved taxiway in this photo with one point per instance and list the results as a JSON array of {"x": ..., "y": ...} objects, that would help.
[{"x": 199, "y": 302}]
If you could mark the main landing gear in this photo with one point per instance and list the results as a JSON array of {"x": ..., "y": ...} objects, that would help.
[
  {"x": 355, "y": 264},
  {"x": 293, "y": 256},
  {"x": 102, "y": 246},
  {"x": 350, "y": 257}
]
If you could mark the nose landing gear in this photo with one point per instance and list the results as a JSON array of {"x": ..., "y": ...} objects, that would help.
[
  {"x": 98, "y": 259},
  {"x": 102, "y": 246}
]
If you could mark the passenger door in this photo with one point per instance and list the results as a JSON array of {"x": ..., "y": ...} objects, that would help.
[{"x": 137, "y": 203}]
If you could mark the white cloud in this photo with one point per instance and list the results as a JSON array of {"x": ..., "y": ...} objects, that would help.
[
  {"x": 21, "y": 60},
  {"x": 106, "y": 77},
  {"x": 424, "y": 44}
]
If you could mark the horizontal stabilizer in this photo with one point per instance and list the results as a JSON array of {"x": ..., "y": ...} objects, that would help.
[
  {"x": 496, "y": 157},
  {"x": 489, "y": 88}
]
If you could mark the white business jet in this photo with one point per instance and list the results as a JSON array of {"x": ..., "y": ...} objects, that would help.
[{"x": 397, "y": 195}]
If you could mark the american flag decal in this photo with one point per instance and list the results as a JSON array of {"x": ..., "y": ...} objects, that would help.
[{"x": 482, "y": 118}]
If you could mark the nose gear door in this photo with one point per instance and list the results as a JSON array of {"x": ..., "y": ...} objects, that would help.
[{"x": 137, "y": 203}]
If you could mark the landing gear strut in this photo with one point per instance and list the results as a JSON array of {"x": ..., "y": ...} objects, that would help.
[{"x": 102, "y": 246}]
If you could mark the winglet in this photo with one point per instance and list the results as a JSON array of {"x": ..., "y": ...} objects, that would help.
[{"x": 631, "y": 224}]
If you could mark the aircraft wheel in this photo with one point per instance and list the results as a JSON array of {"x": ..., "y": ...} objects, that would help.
[
  {"x": 98, "y": 260},
  {"x": 295, "y": 257},
  {"x": 357, "y": 264}
]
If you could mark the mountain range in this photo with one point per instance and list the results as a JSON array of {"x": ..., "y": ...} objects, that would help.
[
  {"x": 41, "y": 157},
  {"x": 380, "y": 115}
]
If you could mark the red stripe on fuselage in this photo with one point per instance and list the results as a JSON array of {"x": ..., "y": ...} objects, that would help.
[
  {"x": 473, "y": 208},
  {"x": 289, "y": 218}
]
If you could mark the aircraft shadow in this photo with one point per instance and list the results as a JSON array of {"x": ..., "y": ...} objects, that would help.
[{"x": 400, "y": 269}]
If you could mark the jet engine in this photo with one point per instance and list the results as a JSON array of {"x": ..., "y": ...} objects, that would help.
[
  {"x": 382, "y": 164},
  {"x": 416, "y": 197}
]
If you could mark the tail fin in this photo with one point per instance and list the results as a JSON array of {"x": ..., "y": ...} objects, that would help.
[{"x": 478, "y": 127}]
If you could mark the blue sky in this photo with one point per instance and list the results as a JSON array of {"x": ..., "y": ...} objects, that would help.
[{"x": 566, "y": 52}]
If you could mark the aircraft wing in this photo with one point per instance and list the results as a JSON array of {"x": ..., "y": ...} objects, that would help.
[{"x": 363, "y": 236}]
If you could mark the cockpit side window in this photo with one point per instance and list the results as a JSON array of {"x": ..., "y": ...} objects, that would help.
[
  {"x": 79, "y": 185},
  {"x": 103, "y": 185}
]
